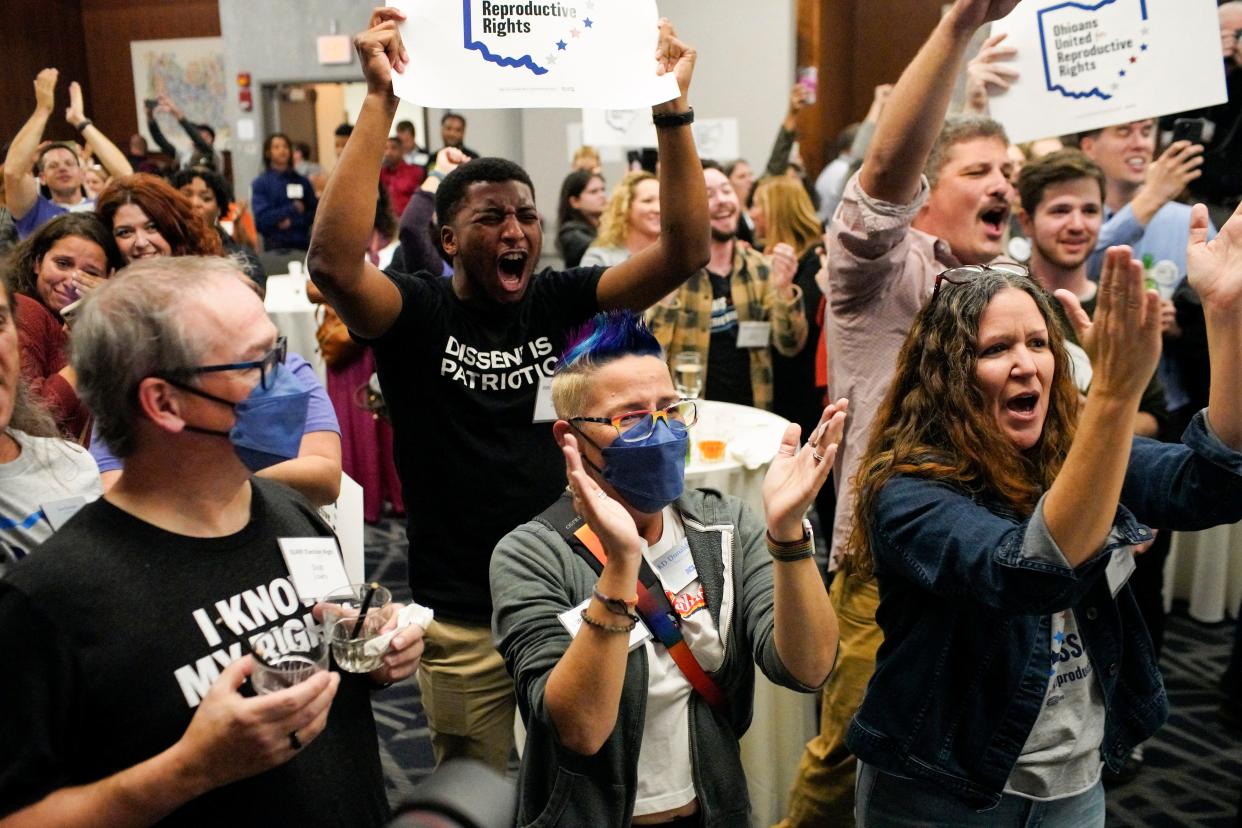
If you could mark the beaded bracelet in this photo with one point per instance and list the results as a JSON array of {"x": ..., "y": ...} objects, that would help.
[
  {"x": 611, "y": 628},
  {"x": 617, "y": 606}
]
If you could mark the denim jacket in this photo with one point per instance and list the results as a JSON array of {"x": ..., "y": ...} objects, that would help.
[{"x": 966, "y": 591}]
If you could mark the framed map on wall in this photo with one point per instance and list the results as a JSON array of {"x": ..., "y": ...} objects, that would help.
[{"x": 190, "y": 70}]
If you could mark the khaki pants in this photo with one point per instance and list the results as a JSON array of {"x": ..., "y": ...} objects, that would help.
[
  {"x": 823, "y": 793},
  {"x": 467, "y": 694}
]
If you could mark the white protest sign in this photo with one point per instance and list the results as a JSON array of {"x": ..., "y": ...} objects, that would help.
[
  {"x": 470, "y": 54},
  {"x": 716, "y": 138},
  {"x": 1086, "y": 65}
]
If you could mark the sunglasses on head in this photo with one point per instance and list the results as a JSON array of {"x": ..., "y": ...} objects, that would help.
[{"x": 966, "y": 273}]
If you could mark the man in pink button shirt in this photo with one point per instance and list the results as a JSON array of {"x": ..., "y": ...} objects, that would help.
[{"x": 931, "y": 195}]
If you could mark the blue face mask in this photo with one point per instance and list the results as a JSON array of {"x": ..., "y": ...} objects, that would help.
[
  {"x": 649, "y": 474},
  {"x": 269, "y": 423}
]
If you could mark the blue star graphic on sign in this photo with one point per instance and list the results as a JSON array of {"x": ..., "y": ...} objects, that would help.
[
  {"x": 560, "y": 44},
  {"x": 588, "y": 22},
  {"x": 1123, "y": 73},
  {"x": 1143, "y": 48},
  {"x": 1060, "y": 637}
]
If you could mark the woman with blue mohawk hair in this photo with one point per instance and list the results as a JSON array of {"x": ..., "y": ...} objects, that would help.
[{"x": 632, "y": 613}]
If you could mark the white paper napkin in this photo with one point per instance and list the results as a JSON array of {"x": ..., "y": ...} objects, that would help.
[{"x": 411, "y": 613}]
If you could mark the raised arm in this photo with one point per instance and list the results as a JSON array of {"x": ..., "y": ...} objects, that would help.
[
  {"x": 1216, "y": 275},
  {"x": 805, "y": 626},
  {"x": 683, "y": 246},
  {"x": 913, "y": 116},
  {"x": 191, "y": 128},
  {"x": 157, "y": 135},
  {"x": 21, "y": 187},
  {"x": 1124, "y": 344},
  {"x": 109, "y": 154},
  {"x": 417, "y": 246},
  {"x": 782, "y": 147},
  {"x": 367, "y": 301}
]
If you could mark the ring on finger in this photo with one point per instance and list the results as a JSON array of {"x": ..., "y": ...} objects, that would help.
[{"x": 819, "y": 458}]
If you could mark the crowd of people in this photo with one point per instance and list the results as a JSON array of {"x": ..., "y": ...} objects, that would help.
[{"x": 1010, "y": 374}]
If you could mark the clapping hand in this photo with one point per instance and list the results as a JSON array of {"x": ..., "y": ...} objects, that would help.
[
  {"x": 1123, "y": 340},
  {"x": 45, "y": 89},
  {"x": 76, "y": 111},
  {"x": 784, "y": 267},
  {"x": 608, "y": 519},
  {"x": 381, "y": 51},
  {"x": 1215, "y": 267},
  {"x": 796, "y": 475}
]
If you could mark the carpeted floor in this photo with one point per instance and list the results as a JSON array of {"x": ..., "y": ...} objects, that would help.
[{"x": 1193, "y": 773}]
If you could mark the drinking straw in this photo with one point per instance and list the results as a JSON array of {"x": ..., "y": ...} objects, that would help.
[{"x": 362, "y": 613}]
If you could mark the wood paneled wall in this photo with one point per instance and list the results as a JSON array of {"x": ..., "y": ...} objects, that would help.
[
  {"x": 110, "y": 25},
  {"x": 35, "y": 34},
  {"x": 857, "y": 45},
  {"x": 88, "y": 41}
]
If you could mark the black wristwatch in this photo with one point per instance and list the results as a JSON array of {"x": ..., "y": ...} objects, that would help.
[{"x": 672, "y": 120}]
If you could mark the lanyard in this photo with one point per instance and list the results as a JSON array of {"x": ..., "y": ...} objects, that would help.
[{"x": 660, "y": 617}]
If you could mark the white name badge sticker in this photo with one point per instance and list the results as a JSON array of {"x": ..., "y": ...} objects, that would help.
[
  {"x": 544, "y": 411},
  {"x": 571, "y": 619},
  {"x": 675, "y": 567},
  {"x": 753, "y": 334},
  {"x": 315, "y": 564},
  {"x": 293, "y": 191},
  {"x": 1120, "y": 567},
  {"x": 421, "y": 159},
  {"x": 58, "y": 512}
]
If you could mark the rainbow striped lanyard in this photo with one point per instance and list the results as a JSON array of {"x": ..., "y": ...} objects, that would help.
[{"x": 658, "y": 614}]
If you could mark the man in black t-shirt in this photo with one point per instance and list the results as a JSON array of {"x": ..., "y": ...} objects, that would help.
[
  {"x": 126, "y": 637},
  {"x": 463, "y": 361}
]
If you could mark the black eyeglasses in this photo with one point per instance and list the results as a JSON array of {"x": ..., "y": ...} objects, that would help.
[
  {"x": 635, "y": 426},
  {"x": 967, "y": 273},
  {"x": 265, "y": 365}
]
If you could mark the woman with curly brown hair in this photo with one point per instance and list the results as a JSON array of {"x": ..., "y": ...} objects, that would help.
[
  {"x": 1000, "y": 520},
  {"x": 148, "y": 217}
]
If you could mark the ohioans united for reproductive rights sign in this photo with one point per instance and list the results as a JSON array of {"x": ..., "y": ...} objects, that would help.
[
  {"x": 1086, "y": 64},
  {"x": 468, "y": 54}
]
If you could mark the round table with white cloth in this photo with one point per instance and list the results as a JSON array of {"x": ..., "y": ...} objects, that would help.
[
  {"x": 294, "y": 316},
  {"x": 784, "y": 720},
  {"x": 1205, "y": 569}
]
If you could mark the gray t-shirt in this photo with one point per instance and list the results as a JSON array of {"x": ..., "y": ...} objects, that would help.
[
  {"x": 39, "y": 490},
  {"x": 604, "y": 256},
  {"x": 1061, "y": 757}
]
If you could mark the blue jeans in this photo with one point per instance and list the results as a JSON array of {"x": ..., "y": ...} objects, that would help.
[{"x": 887, "y": 801}]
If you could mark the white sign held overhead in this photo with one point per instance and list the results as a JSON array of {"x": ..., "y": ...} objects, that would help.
[
  {"x": 470, "y": 54},
  {"x": 716, "y": 138},
  {"x": 1095, "y": 63}
]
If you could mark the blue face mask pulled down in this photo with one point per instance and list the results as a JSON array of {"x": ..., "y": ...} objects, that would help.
[
  {"x": 649, "y": 474},
  {"x": 269, "y": 423}
]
